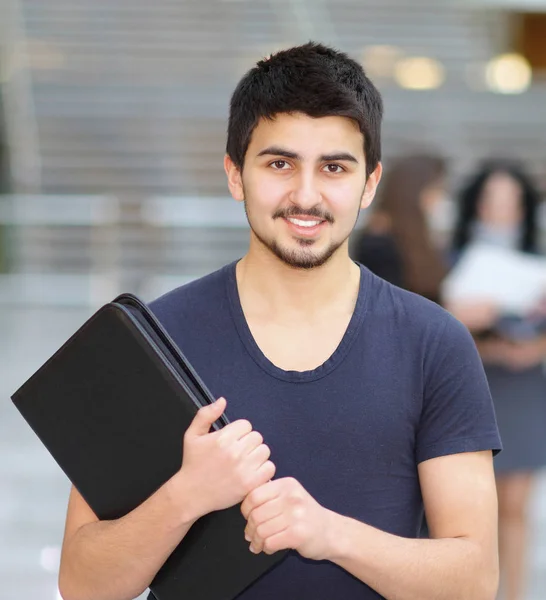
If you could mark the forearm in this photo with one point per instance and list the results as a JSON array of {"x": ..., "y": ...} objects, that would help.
[
  {"x": 117, "y": 560},
  {"x": 413, "y": 569}
]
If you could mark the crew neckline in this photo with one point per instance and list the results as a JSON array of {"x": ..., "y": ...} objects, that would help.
[{"x": 331, "y": 363}]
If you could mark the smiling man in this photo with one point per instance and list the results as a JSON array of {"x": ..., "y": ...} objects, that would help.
[{"x": 372, "y": 401}]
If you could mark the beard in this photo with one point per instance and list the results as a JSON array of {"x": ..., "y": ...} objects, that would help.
[{"x": 304, "y": 256}]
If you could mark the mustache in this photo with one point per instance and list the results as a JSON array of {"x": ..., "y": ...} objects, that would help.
[{"x": 294, "y": 211}]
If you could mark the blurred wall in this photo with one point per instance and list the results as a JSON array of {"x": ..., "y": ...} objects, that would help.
[{"x": 132, "y": 96}]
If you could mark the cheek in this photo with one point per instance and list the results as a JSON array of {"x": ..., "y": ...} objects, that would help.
[
  {"x": 262, "y": 192},
  {"x": 514, "y": 213},
  {"x": 345, "y": 201}
]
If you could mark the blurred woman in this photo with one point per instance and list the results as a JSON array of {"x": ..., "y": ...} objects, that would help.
[
  {"x": 397, "y": 243},
  {"x": 499, "y": 207}
]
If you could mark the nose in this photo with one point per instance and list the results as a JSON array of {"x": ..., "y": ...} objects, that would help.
[{"x": 305, "y": 192}]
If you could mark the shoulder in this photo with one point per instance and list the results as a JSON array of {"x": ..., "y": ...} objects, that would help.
[
  {"x": 197, "y": 297},
  {"x": 423, "y": 328},
  {"x": 411, "y": 311}
]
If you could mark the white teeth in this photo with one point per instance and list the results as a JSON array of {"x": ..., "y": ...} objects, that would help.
[{"x": 304, "y": 223}]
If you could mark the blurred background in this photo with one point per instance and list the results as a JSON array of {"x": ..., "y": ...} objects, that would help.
[{"x": 112, "y": 133}]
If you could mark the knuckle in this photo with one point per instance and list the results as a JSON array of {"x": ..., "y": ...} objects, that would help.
[
  {"x": 269, "y": 547},
  {"x": 298, "y": 513},
  {"x": 295, "y": 500},
  {"x": 232, "y": 453},
  {"x": 221, "y": 441}
]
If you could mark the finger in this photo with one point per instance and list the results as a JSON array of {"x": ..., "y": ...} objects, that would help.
[
  {"x": 277, "y": 542},
  {"x": 235, "y": 431},
  {"x": 262, "y": 494},
  {"x": 265, "y": 512},
  {"x": 205, "y": 417},
  {"x": 250, "y": 442},
  {"x": 266, "y": 530},
  {"x": 258, "y": 457},
  {"x": 262, "y": 514},
  {"x": 262, "y": 475}
]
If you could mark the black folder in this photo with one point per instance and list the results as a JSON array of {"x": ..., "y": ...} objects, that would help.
[{"x": 111, "y": 406}]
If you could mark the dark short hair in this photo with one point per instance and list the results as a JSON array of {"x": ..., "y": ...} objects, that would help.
[
  {"x": 311, "y": 79},
  {"x": 471, "y": 194}
]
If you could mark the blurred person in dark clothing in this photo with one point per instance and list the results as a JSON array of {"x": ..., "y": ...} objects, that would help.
[
  {"x": 499, "y": 206},
  {"x": 397, "y": 243}
]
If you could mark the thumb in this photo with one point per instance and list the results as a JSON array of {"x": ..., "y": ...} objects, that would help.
[{"x": 205, "y": 417}]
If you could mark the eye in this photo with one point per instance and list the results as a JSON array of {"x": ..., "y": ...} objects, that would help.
[
  {"x": 280, "y": 165},
  {"x": 333, "y": 168}
]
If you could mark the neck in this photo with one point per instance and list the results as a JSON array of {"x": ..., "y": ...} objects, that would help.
[
  {"x": 268, "y": 287},
  {"x": 507, "y": 237}
]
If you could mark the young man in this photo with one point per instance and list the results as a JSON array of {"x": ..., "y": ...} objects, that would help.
[{"x": 371, "y": 400}]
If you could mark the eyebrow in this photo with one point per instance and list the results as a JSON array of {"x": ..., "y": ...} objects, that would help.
[{"x": 278, "y": 151}]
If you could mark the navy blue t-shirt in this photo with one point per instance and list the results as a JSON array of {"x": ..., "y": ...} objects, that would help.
[{"x": 404, "y": 385}]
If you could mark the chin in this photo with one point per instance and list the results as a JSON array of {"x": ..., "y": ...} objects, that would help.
[
  {"x": 300, "y": 258},
  {"x": 301, "y": 254}
]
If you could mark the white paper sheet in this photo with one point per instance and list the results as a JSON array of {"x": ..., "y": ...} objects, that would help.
[{"x": 516, "y": 281}]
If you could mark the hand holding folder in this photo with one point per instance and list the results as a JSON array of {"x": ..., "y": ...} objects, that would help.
[
  {"x": 112, "y": 406},
  {"x": 226, "y": 465}
]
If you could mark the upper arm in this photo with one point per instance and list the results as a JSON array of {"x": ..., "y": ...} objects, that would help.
[
  {"x": 78, "y": 514},
  {"x": 460, "y": 499},
  {"x": 457, "y": 414}
]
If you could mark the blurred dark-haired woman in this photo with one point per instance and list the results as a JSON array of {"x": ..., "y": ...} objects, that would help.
[{"x": 498, "y": 206}]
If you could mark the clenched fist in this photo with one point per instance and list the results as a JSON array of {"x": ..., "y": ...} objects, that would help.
[
  {"x": 220, "y": 468},
  {"x": 282, "y": 515}
]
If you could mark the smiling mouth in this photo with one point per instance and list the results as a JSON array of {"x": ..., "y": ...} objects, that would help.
[{"x": 304, "y": 223}]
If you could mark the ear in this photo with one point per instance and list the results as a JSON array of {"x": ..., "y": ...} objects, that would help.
[
  {"x": 234, "y": 178},
  {"x": 371, "y": 186}
]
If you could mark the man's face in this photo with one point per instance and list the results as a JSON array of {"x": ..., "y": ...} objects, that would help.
[{"x": 303, "y": 184}]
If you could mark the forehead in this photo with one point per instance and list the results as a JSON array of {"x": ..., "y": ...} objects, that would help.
[
  {"x": 501, "y": 185},
  {"x": 306, "y": 135}
]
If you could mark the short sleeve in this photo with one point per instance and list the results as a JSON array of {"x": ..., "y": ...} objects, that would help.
[{"x": 457, "y": 414}]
